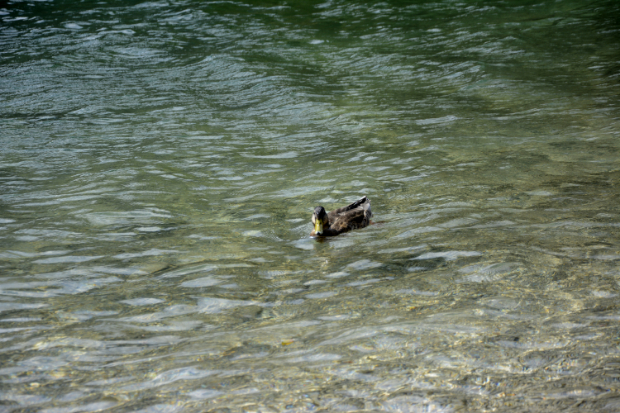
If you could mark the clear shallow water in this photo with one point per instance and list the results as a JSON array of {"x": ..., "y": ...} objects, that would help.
[{"x": 160, "y": 162}]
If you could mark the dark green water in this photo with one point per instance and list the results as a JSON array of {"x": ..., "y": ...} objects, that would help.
[{"x": 161, "y": 160}]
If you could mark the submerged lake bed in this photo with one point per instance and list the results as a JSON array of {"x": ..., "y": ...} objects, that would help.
[{"x": 161, "y": 161}]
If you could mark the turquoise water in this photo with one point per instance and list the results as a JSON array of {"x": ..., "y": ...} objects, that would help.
[{"x": 161, "y": 161}]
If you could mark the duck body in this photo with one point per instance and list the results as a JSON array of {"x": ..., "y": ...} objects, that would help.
[{"x": 353, "y": 216}]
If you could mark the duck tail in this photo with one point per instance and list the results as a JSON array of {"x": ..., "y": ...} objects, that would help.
[
  {"x": 365, "y": 203},
  {"x": 360, "y": 202}
]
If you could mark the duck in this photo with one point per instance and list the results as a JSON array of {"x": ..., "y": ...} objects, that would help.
[{"x": 353, "y": 216}]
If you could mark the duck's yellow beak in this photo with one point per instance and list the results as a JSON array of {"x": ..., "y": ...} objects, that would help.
[{"x": 318, "y": 227}]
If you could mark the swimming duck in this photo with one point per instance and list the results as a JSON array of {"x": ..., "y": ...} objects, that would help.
[{"x": 356, "y": 215}]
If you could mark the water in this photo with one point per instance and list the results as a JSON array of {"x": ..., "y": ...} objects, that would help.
[{"x": 161, "y": 160}]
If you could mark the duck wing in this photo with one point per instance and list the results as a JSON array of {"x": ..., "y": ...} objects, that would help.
[
  {"x": 360, "y": 203},
  {"x": 356, "y": 215}
]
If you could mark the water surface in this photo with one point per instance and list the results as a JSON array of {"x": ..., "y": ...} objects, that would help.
[{"x": 160, "y": 162}]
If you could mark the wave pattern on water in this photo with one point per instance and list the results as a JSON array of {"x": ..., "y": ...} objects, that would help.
[{"x": 159, "y": 166}]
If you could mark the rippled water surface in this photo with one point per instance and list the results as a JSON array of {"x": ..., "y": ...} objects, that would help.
[{"x": 160, "y": 162}]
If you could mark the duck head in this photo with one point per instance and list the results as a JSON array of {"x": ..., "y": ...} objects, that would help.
[{"x": 320, "y": 221}]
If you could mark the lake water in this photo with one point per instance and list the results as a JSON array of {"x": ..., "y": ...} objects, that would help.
[{"x": 160, "y": 162}]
